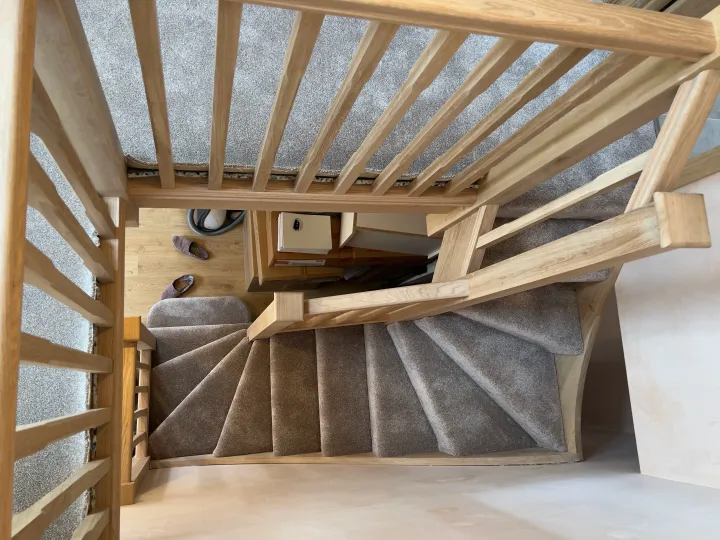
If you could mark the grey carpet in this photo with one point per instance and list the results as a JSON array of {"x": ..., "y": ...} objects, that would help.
[
  {"x": 294, "y": 394},
  {"x": 464, "y": 417},
  {"x": 547, "y": 316},
  {"x": 399, "y": 424},
  {"x": 172, "y": 381},
  {"x": 174, "y": 341},
  {"x": 519, "y": 376},
  {"x": 264, "y": 33},
  {"x": 196, "y": 311},
  {"x": 343, "y": 391},
  {"x": 194, "y": 427},
  {"x": 248, "y": 426},
  {"x": 536, "y": 236}
]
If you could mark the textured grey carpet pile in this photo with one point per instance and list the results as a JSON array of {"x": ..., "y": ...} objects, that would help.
[
  {"x": 187, "y": 31},
  {"x": 478, "y": 381}
]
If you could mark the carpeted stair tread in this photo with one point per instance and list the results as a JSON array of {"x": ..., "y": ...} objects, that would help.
[
  {"x": 547, "y": 316},
  {"x": 248, "y": 426},
  {"x": 519, "y": 376},
  {"x": 294, "y": 394},
  {"x": 197, "y": 311},
  {"x": 194, "y": 427},
  {"x": 536, "y": 236},
  {"x": 171, "y": 342},
  {"x": 174, "y": 380},
  {"x": 466, "y": 421},
  {"x": 343, "y": 391},
  {"x": 399, "y": 424}
]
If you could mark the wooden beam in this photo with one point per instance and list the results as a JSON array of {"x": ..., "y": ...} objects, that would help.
[
  {"x": 141, "y": 389},
  {"x": 31, "y": 523},
  {"x": 458, "y": 251},
  {"x": 398, "y": 296},
  {"x": 635, "y": 99},
  {"x": 677, "y": 137},
  {"x": 226, "y": 49},
  {"x": 143, "y": 404},
  {"x": 136, "y": 332},
  {"x": 142, "y": 366},
  {"x": 17, "y": 35},
  {"x": 32, "y": 438},
  {"x": 682, "y": 220},
  {"x": 554, "y": 66},
  {"x": 41, "y": 352},
  {"x": 46, "y": 125},
  {"x": 140, "y": 437},
  {"x": 367, "y": 56},
  {"x": 567, "y": 22},
  {"x": 64, "y": 63},
  {"x": 128, "y": 407},
  {"x": 305, "y": 30},
  {"x": 699, "y": 167},
  {"x": 498, "y": 59},
  {"x": 287, "y": 308},
  {"x": 192, "y": 193},
  {"x": 147, "y": 40},
  {"x": 432, "y": 60},
  {"x": 40, "y": 272},
  {"x": 620, "y": 175},
  {"x": 528, "y": 456},
  {"x": 588, "y": 86},
  {"x": 624, "y": 238},
  {"x": 92, "y": 526},
  {"x": 109, "y": 386},
  {"x": 43, "y": 197},
  {"x": 140, "y": 413},
  {"x": 140, "y": 467}
]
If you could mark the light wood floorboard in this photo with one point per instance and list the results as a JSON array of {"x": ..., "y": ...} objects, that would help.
[{"x": 151, "y": 262}]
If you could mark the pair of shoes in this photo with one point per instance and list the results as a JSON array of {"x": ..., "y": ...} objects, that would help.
[{"x": 181, "y": 285}]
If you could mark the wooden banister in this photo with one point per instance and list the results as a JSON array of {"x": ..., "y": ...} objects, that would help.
[
  {"x": 367, "y": 56},
  {"x": 31, "y": 523},
  {"x": 305, "y": 31},
  {"x": 40, "y": 272},
  {"x": 65, "y": 66},
  {"x": 588, "y": 86},
  {"x": 43, "y": 197},
  {"x": 135, "y": 332},
  {"x": 624, "y": 238},
  {"x": 287, "y": 308},
  {"x": 41, "y": 352},
  {"x": 498, "y": 59},
  {"x": 226, "y": 50},
  {"x": 432, "y": 60},
  {"x": 147, "y": 39},
  {"x": 540, "y": 78},
  {"x": 566, "y": 22},
  {"x": 34, "y": 437},
  {"x": 17, "y": 41},
  {"x": 92, "y": 526},
  {"x": 46, "y": 125}
]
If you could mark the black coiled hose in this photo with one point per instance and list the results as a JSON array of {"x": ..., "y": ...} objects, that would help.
[{"x": 202, "y": 214}]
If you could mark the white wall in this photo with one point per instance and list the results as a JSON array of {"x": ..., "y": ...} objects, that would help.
[{"x": 669, "y": 308}]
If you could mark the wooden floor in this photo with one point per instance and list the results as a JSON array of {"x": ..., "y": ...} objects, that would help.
[{"x": 151, "y": 262}]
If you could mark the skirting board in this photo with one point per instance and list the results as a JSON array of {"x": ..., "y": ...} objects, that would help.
[{"x": 532, "y": 456}]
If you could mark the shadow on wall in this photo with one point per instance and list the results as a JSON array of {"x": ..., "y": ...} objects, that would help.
[{"x": 606, "y": 403}]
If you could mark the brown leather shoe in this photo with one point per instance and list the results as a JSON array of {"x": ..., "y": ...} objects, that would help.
[
  {"x": 188, "y": 247},
  {"x": 178, "y": 287}
]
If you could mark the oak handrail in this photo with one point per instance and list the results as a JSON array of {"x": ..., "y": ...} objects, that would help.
[{"x": 566, "y": 22}]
